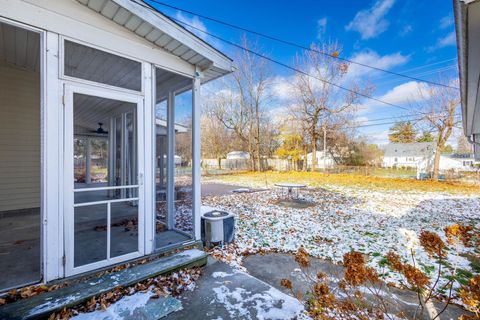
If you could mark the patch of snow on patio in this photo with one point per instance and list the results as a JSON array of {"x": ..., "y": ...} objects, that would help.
[
  {"x": 221, "y": 274},
  {"x": 117, "y": 311},
  {"x": 270, "y": 304}
]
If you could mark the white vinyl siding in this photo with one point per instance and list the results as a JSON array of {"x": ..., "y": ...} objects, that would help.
[{"x": 19, "y": 139}]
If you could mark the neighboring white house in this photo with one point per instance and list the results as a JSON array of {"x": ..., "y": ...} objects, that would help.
[
  {"x": 65, "y": 67},
  {"x": 455, "y": 162},
  {"x": 238, "y": 155},
  {"x": 323, "y": 161},
  {"x": 420, "y": 155},
  {"x": 399, "y": 155}
]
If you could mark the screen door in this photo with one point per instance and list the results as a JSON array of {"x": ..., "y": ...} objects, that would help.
[{"x": 104, "y": 202}]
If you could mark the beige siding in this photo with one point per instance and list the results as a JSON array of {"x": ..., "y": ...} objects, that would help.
[{"x": 19, "y": 139}]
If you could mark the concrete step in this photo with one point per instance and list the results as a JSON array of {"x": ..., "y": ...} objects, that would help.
[{"x": 43, "y": 305}]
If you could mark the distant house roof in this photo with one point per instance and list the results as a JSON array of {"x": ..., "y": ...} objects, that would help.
[
  {"x": 457, "y": 156},
  {"x": 238, "y": 155},
  {"x": 409, "y": 149}
]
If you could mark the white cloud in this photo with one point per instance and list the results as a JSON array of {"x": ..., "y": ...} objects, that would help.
[
  {"x": 370, "y": 57},
  {"x": 371, "y": 22},
  {"x": 380, "y": 138},
  {"x": 282, "y": 87},
  {"x": 361, "y": 120},
  {"x": 321, "y": 27},
  {"x": 198, "y": 27},
  {"x": 446, "y": 22},
  {"x": 448, "y": 40},
  {"x": 409, "y": 92},
  {"x": 403, "y": 95},
  {"x": 406, "y": 29}
]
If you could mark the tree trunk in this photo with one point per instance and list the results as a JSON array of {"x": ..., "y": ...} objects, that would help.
[
  {"x": 305, "y": 152},
  {"x": 219, "y": 163},
  {"x": 436, "y": 164},
  {"x": 259, "y": 160},
  {"x": 314, "y": 155},
  {"x": 257, "y": 133}
]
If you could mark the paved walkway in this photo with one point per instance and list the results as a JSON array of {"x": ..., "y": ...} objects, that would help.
[
  {"x": 223, "y": 293},
  {"x": 218, "y": 189},
  {"x": 271, "y": 268}
]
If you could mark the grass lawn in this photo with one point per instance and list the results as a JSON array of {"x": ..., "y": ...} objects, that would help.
[{"x": 318, "y": 179}]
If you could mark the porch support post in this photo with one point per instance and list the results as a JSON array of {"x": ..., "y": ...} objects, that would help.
[
  {"x": 88, "y": 161},
  {"x": 149, "y": 177},
  {"x": 123, "y": 154},
  {"x": 111, "y": 154},
  {"x": 196, "y": 172},
  {"x": 171, "y": 160},
  {"x": 52, "y": 161}
]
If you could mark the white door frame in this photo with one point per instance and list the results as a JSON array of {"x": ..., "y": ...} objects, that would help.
[{"x": 69, "y": 89}]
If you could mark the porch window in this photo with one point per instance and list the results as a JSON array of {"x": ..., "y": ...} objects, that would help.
[
  {"x": 20, "y": 156},
  {"x": 91, "y": 64}
]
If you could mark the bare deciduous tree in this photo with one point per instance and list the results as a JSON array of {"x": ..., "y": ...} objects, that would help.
[
  {"x": 216, "y": 139},
  {"x": 439, "y": 105},
  {"x": 321, "y": 106},
  {"x": 241, "y": 106}
]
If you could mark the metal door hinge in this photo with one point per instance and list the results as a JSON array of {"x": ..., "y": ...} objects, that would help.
[{"x": 64, "y": 260}]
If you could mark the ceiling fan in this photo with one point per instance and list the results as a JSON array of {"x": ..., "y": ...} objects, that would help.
[{"x": 100, "y": 130}]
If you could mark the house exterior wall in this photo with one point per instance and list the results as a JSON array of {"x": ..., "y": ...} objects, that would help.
[
  {"x": 19, "y": 139},
  {"x": 322, "y": 161},
  {"x": 389, "y": 162}
]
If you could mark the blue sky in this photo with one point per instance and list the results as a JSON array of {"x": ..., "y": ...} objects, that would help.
[{"x": 414, "y": 37}]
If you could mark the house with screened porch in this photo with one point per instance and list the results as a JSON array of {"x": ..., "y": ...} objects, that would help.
[{"x": 99, "y": 135}]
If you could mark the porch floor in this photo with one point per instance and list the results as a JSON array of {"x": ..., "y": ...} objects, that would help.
[
  {"x": 19, "y": 248},
  {"x": 41, "y": 306},
  {"x": 20, "y": 241}
]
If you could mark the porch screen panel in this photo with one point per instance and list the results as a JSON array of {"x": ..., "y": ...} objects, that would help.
[
  {"x": 183, "y": 163},
  {"x": 103, "y": 67},
  {"x": 173, "y": 158},
  {"x": 20, "y": 156},
  {"x": 90, "y": 227},
  {"x": 161, "y": 160}
]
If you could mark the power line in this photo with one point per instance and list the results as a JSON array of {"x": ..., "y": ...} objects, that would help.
[
  {"x": 276, "y": 61},
  {"x": 424, "y": 73},
  {"x": 416, "y": 74},
  {"x": 300, "y": 46},
  {"x": 382, "y": 124},
  {"x": 288, "y": 66},
  {"x": 398, "y": 120}
]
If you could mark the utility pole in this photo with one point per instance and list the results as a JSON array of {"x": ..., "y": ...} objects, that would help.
[{"x": 324, "y": 147}]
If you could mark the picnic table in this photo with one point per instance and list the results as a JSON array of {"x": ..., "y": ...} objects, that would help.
[{"x": 290, "y": 188}]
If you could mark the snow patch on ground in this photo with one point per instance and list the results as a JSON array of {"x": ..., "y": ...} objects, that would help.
[
  {"x": 117, "y": 311},
  {"x": 269, "y": 304}
]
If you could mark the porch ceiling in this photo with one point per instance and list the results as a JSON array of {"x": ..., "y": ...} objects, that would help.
[{"x": 164, "y": 33}]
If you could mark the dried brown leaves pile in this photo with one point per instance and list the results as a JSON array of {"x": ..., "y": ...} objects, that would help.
[
  {"x": 321, "y": 302},
  {"x": 173, "y": 284}
]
